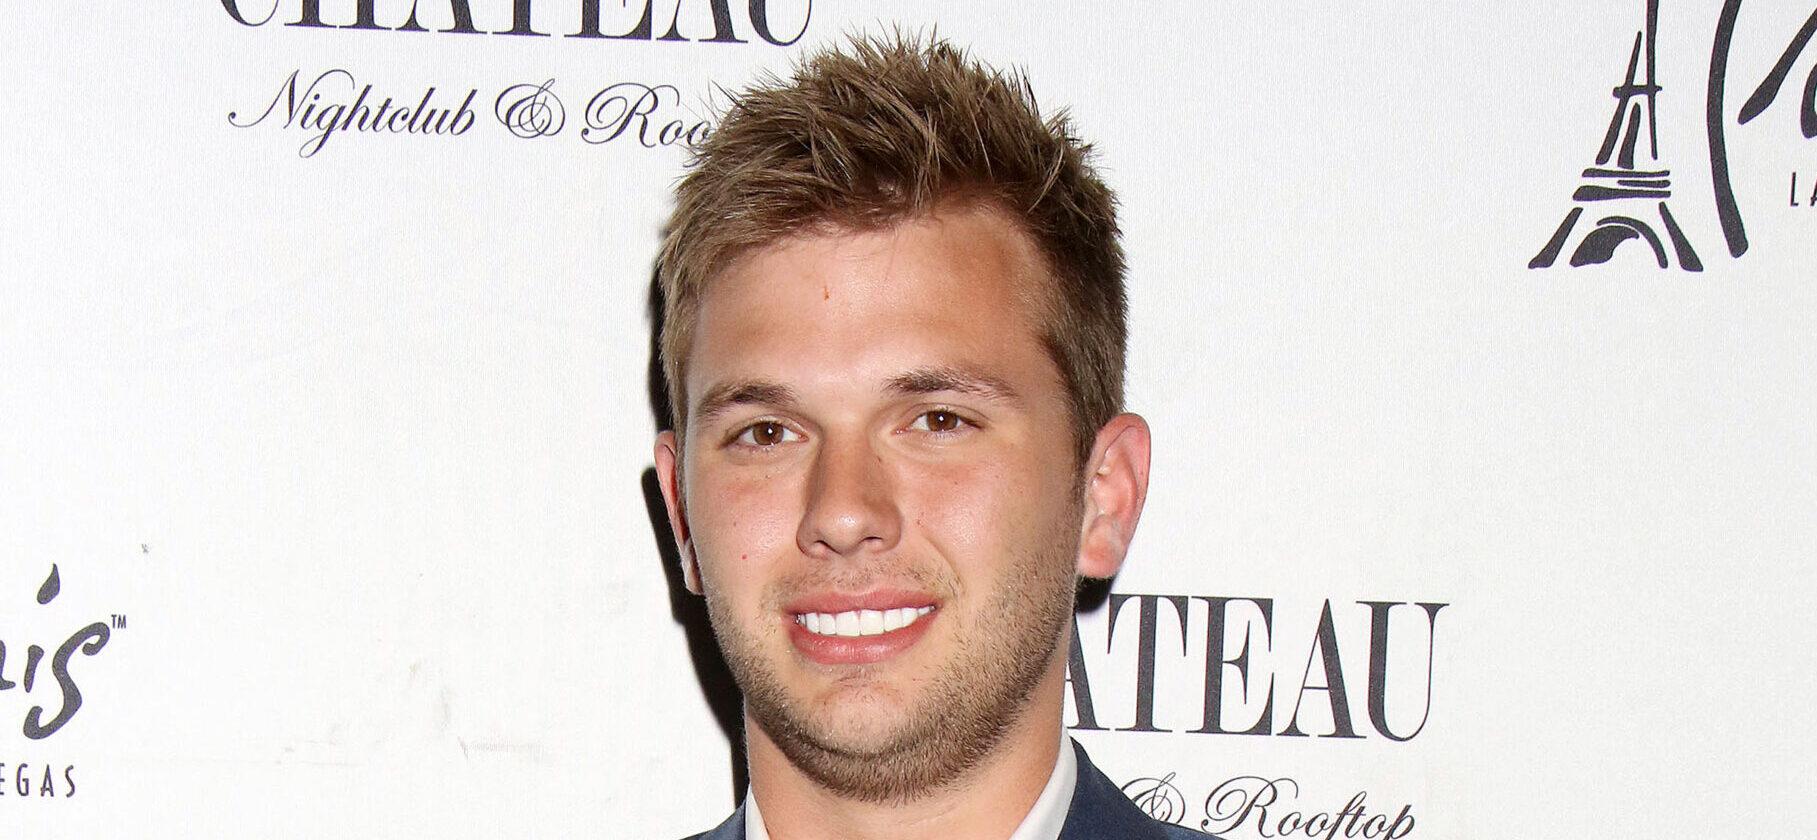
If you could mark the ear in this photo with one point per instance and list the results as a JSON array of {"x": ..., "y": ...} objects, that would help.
[
  {"x": 668, "y": 474},
  {"x": 1115, "y": 488}
]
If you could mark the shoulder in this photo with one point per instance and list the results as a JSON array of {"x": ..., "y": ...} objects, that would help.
[{"x": 1100, "y": 810}]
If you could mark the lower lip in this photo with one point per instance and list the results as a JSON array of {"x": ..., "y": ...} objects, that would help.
[{"x": 857, "y": 650}]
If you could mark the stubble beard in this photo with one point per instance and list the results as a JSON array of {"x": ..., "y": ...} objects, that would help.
[{"x": 964, "y": 710}]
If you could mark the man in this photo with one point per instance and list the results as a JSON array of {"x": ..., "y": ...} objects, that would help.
[{"x": 894, "y": 337}]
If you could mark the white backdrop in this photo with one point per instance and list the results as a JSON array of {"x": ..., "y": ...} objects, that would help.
[{"x": 346, "y": 450}]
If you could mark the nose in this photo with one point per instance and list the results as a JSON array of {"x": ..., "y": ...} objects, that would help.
[{"x": 851, "y": 508}]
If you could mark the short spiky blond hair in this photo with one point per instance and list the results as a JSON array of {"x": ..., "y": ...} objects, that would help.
[{"x": 884, "y": 131}]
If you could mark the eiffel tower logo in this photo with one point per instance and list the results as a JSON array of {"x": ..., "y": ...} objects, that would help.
[{"x": 1618, "y": 186}]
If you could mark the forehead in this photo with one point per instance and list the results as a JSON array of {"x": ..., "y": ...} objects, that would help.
[{"x": 957, "y": 286}]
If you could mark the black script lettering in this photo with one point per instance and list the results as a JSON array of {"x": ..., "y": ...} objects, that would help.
[
  {"x": 614, "y": 111},
  {"x": 1147, "y": 616},
  {"x": 305, "y": 109},
  {"x": 1157, "y": 798},
  {"x": 299, "y": 108},
  {"x": 1325, "y": 648},
  {"x": 1231, "y": 803},
  {"x": 1215, "y": 664},
  {"x": 422, "y": 114},
  {"x": 1378, "y": 665},
  {"x": 1352, "y": 809},
  {"x": 335, "y": 117},
  {"x": 427, "y": 120},
  {"x": 1248, "y": 800},
  {"x": 530, "y": 110},
  {"x": 463, "y": 116},
  {"x": 90, "y": 639},
  {"x": 1402, "y": 824},
  {"x": 1076, "y": 679}
]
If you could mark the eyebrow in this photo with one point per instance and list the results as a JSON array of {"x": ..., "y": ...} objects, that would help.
[
  {"x": 931, "y": 380},
  {"x": 722, "y": 397}
]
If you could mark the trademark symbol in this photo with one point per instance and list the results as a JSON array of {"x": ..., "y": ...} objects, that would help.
[
  {"x": 118, "y": 620},
  {"x": 144, "y": 548}
]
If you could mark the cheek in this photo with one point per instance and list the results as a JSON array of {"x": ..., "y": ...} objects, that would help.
[
  {"x": 980, "y": 516},
  {"x": 741, "y": 527}
]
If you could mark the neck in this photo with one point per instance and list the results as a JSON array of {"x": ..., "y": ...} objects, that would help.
[{"x": 989, "y": 801}]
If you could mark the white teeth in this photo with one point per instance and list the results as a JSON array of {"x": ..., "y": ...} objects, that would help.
[{"x": 853, "y": 623}]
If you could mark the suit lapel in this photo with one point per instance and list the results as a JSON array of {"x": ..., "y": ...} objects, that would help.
[
  {"x": 1099, "y": 809},
  {"x": 731, "y": 829}
]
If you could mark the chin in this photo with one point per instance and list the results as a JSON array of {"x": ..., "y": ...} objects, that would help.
[{"x": 864, "y": 719}]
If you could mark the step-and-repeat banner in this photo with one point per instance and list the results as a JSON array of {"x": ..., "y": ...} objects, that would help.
[{"x": 1478, "y": 341}]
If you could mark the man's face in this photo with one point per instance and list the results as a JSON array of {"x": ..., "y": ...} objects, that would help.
[{"x": 881, "y": 494}]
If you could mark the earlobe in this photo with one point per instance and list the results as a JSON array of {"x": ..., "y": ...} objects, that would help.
[
  {"x": 668, "y": 476},
  {"x": 1115, "y": 490}
]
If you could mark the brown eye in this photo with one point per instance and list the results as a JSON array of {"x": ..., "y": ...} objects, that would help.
[
  {"x": 765, "y": 433},
  {"x": 940, "y": 420}
]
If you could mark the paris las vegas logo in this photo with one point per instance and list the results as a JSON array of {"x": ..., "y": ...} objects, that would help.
[{"x": 1628, "y": 189}]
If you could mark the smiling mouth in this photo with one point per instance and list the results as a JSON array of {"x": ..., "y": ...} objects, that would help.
[{"x": 858, "y": 623}]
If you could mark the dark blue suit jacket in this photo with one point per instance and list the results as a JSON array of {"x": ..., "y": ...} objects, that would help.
[{"x": 1099, "y": 811}]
